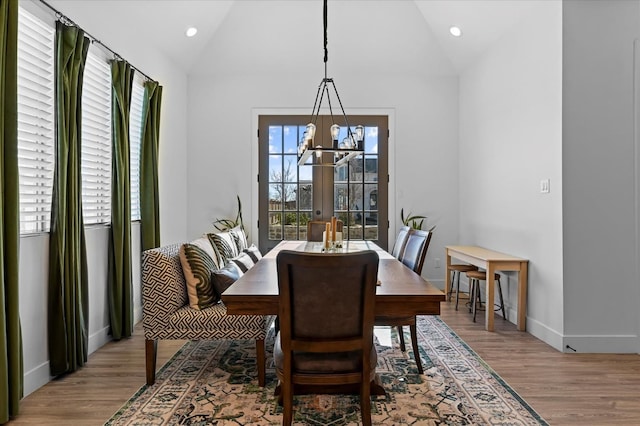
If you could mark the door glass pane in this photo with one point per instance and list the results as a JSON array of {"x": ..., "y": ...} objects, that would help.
[
  {"x": 275, "y": 139},
  {"x": 355, "y": 169},
  {"x": 275, "y": 226},
  {"x": 305, "y": 174},
  {"x": 290, "y": 225},
  {"x": 371, "y": 196},
  {"x": 356, "y": 197},
  {"x": 290, "y": 191},
  {"x": 371, "y": 226},
  {"x": 275, "y": 168},
  {"x": 290, "y": 171},
  {"x": 341, "y": 173},
  {"x": 291, "y": 140},
  {"x": 275, "y": 197},
  {"x": 341, "y": 197},
  {"x": 305, "y": 196},
  {"x": 305, "y": 217},
  {"x": 371, "y": 140},
  {"x": 371, "y": 168},
  {"x": 355, "y": 226}
]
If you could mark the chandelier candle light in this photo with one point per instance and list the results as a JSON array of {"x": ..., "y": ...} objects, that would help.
[{"x": 351, "y": 146}]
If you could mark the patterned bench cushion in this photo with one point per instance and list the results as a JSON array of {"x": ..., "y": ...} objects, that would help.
[
  {"x": 216, "y": 317},
  {"x": 166, "y": 311},
  {"x": 164, "y": 289}
]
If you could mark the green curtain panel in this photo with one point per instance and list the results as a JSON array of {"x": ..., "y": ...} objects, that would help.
[
  {"x": 68, "y": 282},
  {"x": 120, "y": 286},
  {"x": 11, "y": 367},
  {"x": 149, "y": 200}
]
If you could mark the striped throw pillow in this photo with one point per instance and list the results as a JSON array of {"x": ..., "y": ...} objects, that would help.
[
  {"x": 225, "y": 246},
  {"x": 253, "y": 252},
  {"x": 239, "y": 237}
]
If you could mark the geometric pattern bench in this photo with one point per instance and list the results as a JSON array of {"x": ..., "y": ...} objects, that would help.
[{"x": 166, "y": 314}]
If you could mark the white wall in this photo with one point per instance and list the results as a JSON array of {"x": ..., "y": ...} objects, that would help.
[
  {"x": 600, "y": 176},
  {"x": 510, "y": 139},
  {"x": 386, "y": 60},
  {"x": 34, "y": 250}
]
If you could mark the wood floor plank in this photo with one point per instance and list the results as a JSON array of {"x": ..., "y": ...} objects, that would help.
[{"x": 565, "y": 389}]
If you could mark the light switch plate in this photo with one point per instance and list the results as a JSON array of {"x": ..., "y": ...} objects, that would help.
[{"x": 544, "y": 186}]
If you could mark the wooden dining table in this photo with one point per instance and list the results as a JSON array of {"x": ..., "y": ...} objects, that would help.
[{"x": 401, "y": 292}]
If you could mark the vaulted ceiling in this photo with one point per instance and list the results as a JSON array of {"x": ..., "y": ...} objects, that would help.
[{"x": 163, "y": 23}]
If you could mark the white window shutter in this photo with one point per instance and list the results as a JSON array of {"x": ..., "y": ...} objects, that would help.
[
  {"x": 135, "y": 141},
  {"x": 36, "y": 121},
  {"x": 96, "y": 141}
]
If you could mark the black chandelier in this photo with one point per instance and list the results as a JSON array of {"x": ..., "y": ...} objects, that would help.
[{"x": 351, "y": 146}]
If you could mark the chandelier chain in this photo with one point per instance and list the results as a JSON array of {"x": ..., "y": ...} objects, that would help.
[{"x": 326, "y": 51}]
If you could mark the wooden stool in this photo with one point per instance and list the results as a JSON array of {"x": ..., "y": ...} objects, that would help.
[
  {"x": 457, "y": 269},
  {"x": 474, "y": 294}
]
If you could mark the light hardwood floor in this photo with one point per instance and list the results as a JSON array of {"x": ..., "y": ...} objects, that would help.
[{"x": 565, "y": 389}]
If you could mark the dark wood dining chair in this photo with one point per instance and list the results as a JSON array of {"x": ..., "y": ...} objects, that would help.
[
  {"x": 326, "y": 311},
  {"x": 412, "y": 256},
  {"x": 315, "y": 228}
]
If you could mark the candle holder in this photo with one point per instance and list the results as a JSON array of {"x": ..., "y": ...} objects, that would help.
[{"x": 332, "y": 246}]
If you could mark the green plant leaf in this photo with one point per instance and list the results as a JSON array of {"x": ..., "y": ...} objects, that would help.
[
  {"x": 412, "y": 220},
  {"x": 223, "y": 225}
]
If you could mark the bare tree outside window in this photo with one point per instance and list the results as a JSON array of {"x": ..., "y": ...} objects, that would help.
[{"x": 283, "y": 194}]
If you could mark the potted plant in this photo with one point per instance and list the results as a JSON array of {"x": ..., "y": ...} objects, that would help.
[
  {"x": 223, "y": 225},
  {"x": 413, "y": 221}
]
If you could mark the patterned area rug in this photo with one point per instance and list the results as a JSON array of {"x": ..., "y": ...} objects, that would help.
[{"x": 215, "y": 383}]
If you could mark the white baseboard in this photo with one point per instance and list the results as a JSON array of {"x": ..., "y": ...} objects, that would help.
[
  {"x": 101, "y": 337},
  {"x": 580, "y": 343},
  {"x": 604, "y": 344},
  {"x": 137, "y": 314},
  {"x": 98, "y": 339},
  {"x": 535, "y": 328},
  {"x": 40, "y": 376},
  {"x": 36, "y": 378},
  {"x": 542, "y": 332}
]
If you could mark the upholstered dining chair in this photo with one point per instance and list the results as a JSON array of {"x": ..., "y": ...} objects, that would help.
[
  {"x": 412, "y": 256},
  {"x": 415, "y": 250},
  {"x": 315, "y": 228},
  {"x": 326, "y": 312},
  {"x": 401, "y": 241}
]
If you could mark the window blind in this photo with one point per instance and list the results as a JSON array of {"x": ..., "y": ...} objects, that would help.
[
  {"x": 135, "y": 141},
  {"x": 36, "y": 121},
  {"x": 96, "y": 140}
]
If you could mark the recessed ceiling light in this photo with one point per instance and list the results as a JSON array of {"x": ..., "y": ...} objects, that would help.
[
  {"x": 191, "y": 31},
  {"x": 455, "y": 31}
]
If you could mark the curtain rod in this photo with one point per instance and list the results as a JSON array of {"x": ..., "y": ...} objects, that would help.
[{"x": 61, "y": 16}]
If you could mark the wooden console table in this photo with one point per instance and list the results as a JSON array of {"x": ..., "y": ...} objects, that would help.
[{"x": 492, "y": 261}]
